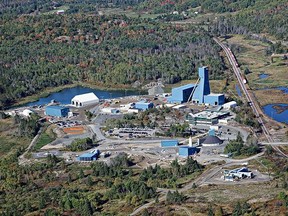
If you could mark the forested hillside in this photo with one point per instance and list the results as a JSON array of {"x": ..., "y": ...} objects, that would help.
[
  {"x": 42, "y": 49},
  {"x": 45, "y": 51},
  {"x": 251, "y": 16}
]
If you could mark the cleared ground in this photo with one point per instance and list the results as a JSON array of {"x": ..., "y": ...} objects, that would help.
[{"x": 74, "y": 130}]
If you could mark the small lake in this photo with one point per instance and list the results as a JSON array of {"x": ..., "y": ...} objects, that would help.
[
  {"x": 263, "y": 76},
  {"x": 65, "y": 96},
  {"x": 281, "y": 116},
  {"x": 283, "y": 89}
]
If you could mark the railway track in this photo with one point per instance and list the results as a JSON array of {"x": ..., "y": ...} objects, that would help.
[{"x": 250, "y": 100}]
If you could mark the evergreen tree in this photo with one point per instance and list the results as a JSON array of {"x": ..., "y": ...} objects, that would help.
[
  {"x": 87, "y": 208},
  {"x": 210, "y": 211}
]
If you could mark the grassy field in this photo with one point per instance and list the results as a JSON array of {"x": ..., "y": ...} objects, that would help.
[
  {"x": 45, "y": 138},
  {"x": 252, "y": 55},
  {"x": 64, "y": 7},
  {"x": 128, "y": 13}
]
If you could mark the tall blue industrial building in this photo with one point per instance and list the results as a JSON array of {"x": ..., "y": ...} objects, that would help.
[
  {"x": 199, "y": 92},
  {"x": 181, "y": 94}
]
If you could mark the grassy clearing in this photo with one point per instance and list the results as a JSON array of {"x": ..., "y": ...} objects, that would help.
[
  {"x": 64, "y": 7},
  {"x": 128, "y": 13},
  {"x": 45, "y": 138},
  {"x": 253, "y": 56},
  {"x": 278, "y": 96}
]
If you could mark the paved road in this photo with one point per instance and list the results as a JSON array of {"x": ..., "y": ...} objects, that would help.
[
  {"x": 275, "y": 143},
  {"x": 256, "y": 109}
]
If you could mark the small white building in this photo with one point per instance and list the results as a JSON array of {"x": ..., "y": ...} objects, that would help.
[
  {"x": 229, "y": 105},
  {"x": 27, "y": 112},
  {"x": 84, "y": 100},
  {"x": 60, "y": 12},
  {"x": 180, "y": 106}
]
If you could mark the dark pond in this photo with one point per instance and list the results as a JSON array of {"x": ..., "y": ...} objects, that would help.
[
  {"x": 263, "y": 76},
  {"x": 65, "y": 96},
  {"x": 278, "y": 112}
]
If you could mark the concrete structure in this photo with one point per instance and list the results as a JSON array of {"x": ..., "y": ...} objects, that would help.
[
  {"x": 198, "y": 93},
  {"x": 241, "y": 173},
  {"x": 156, "y": 90},
  {"x": 214, "y": 127},
  {"x": 186, "y": 151},
  {"x": 89, "y": 156},
  {"x": 169, "y": 143},
  {"x": 110, "y": 110},
  {"x": 212, "y": 141},
  {"x": 132, "y": 111},
  {"x": 57, "y": 111},
  {"x": 84, "y": 100},
  {"x": 229, "y": 105},
  {"x": 142, "y": 105},
  {"x": 180, "y": 106},
  {"x": 206, "y": 117},
  {"x": 226, "y": 155}
]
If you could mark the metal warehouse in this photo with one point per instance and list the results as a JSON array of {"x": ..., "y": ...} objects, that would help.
[
  {"x": 169, "y": 143},
  {"x": 84, "y": 99},
  {"x": 57, "y": 111},
  {"x": 142, "y": 105},
  {"x": 186, "y": 151},
  {"x": 90, "y": 156},
  {"x": 229, "y": 105},
  {"x": 198, "y": 93},
  {"x": 181, "y": 94}
]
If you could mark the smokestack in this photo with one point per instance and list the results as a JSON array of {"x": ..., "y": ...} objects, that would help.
[{"x": 190, "y": 141}]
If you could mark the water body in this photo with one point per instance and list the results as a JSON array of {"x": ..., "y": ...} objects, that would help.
[
  {"x": 283, "y": 89},
  {"x": 65, "y": 96},
  {"x": 238, "y": 90},
  {"x": 275, "y": 114},
  {"x": 263, "y": 76}
]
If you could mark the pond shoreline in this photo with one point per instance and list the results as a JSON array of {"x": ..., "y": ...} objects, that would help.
[{"x": 48, "y": 91}]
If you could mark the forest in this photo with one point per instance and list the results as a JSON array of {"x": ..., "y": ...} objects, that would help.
[
  {"x": 42, "y": 49},
  {"x": 80, "y": 189},
  {"x": 49, "y": 51}
]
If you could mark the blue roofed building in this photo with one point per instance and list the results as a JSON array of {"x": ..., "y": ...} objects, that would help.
[
  {"x": 198, "y": 93},
  {"x": 142, "y": 105},
  {"x": 89, "y": 156},
  {"x": 202, "y": 94},
  {"x": 181, "y": 94},
  {"x": 214, "y": 99},
  {"x": 169, "y": 143},
  {"x": 57, "y": 111},
  {"x": 203, "y": 87},
  {"x": 186, "y": 151}
]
